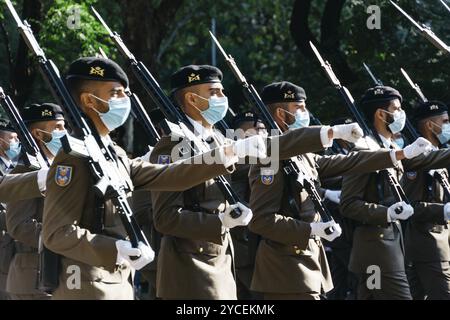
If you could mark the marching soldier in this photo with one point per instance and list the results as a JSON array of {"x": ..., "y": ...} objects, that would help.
[
  {"x": 291, "y": 261},
  {"x": 24, "y": 218},
  {"x": 9, "y": 152},
  {"x": 368, "y": 200},
  {"x": 426, "y": 235},
  {"x": 245, "y": 243},
  {"x": 85, "y": 229},
  {"x": 196, "y": 255}
]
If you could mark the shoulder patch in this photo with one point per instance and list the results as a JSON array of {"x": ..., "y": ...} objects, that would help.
[
  {"x": 411, "y": 175},
  {"x": 267, "y": 176},
  {"x": 63, "y": 175},
  {"x": 163, "y": 159}
]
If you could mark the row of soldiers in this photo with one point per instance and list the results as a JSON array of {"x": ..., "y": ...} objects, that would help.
[{"x": 271, "y": 250}]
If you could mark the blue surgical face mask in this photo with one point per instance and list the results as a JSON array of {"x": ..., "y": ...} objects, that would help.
[
  {"x": 399, "y": 122},
  {"x": 55, "y": 144},
  {"x": 119, "y": 110},
  {"x": 400, "y": 142},
  {"x": 444, "y": 136},
  {"x": 14, "y": 150},
  {"x": 302, "y": 119},
  {"x": 217, "y": 109}
]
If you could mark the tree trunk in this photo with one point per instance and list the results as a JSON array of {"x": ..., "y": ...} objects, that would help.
[
  {"x": 329, "y": 37},
  {"x": 24, "y": 73}
]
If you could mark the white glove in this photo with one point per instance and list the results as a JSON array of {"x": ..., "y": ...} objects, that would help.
[
  {"x": 242, "y": 220},
  {"x": 319, "y": 229},
  {"x": 400, "y": 211},
  {"x": 142, "y": 255},
  {"x": 333, "y": 195},
  {"x": 418, "y": 147},
  {"x": 447, "y": 211},
  {"x": 350, "y": 132},
  {"x": 253, "y": 146}
]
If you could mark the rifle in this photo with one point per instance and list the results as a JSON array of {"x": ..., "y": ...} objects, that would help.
[
  {"x": 36, "y": 157},
  {"x": 101, "y": 161},
  {"x": 438, "y": 174},
  {"x": 445, "y": 5},
  {"x": 177, "y": 125},
  {"x": 394, "y": 185},
  {"x": 425, "y": 31},
  {"x": 293, "y": 168}
]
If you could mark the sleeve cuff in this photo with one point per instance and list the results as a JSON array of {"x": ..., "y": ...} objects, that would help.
[
  {"x": 326, "y": 142},
  {"x": 42, "y": 179},
  {"x": 393, "y": 158}
]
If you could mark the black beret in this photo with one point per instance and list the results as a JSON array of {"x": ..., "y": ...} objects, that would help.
[
  {"x": 42, "y": 112},
  {"x": 194, "y": 74},
  {"x": 97, "y": 69},
  {"x": 244, "y": 117},
  {"x": 429, "y": 109},
  {"x": 5, "y": 125},
  {"x": 282, "y": 92},
  {"x": 380, "y": 94}
]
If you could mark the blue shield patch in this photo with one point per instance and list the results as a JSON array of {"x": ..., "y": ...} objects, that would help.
[
  {"x": 411, "y": 175},
  {"x": 267, "y": 177},
  {"x": 163, "y": 159},
  {"x": 63, "y": 175}
]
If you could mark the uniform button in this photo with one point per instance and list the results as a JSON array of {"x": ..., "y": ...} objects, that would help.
[
  {"x": 297, "y": 251},
  {"x": 381, "y": 235},
  {"x": 200, "y": 249},
  {"x": 296, "y": 247}
]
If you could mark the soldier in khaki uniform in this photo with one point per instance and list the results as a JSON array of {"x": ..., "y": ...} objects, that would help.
[
  {"x": 9, "y": 152},
  {"x": 244, "y": 242},
  {"x": 291, "y": 261},
  {"x": 426, "y": 235},
  {"x": 24, "y": 218},
  {"x": 378, "y": 253},
  {"x": 85, "y": 230},
  {"x": 196, "y": 255}
]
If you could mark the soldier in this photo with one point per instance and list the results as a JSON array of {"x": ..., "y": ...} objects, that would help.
[
  {"x": 195, "y": 260},
  {"x": 9, "y": 152},
  {"x": 291, "y": 261},
  {"x": 246, "y": 124},
  {"x": 426, "y": 235},
  {"x": 85, "y": 229},
  {"x": 24, "y": 218},
  {"x": 368, "y": 200}
]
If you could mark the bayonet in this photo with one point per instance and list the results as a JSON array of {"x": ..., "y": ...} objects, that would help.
[{"x": 425, "y": 31}]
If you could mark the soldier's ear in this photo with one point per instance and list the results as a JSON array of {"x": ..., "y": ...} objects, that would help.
[
  {"x": 379, "y": 114},
  {"x": 87, "y": 101}
]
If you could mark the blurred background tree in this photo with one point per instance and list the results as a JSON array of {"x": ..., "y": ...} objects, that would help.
[{"x": 267, "y": 39}]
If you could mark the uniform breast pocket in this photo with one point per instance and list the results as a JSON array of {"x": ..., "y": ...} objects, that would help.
[
  {"x": 374, "y": 233},
  {"x": 198, "y": 247}
]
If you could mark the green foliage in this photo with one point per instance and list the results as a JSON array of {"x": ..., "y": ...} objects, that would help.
[{"x": 257, "y": 35}]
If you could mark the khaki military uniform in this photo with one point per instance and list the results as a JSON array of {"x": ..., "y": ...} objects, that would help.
[
  {"x": 24, "y": 223},
  {"x": 12, "y": 187},
  {"x": 244, "y": 241},
  {"x": 84, "y": 230},
  {"x": 196, "y": 256},
  {"x": 426, "y": 237},
  {"x": 290, "y": 263},
  {"x": 365, "y": 199}
]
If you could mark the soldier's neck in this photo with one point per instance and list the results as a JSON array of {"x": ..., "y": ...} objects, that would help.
[
  {"x": 432, "y": 138},
  {"x": 381, "y": 129}
]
